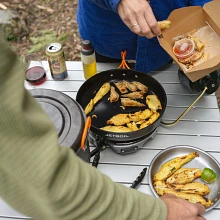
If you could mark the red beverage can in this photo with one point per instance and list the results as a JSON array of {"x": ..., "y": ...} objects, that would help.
[{"x": 56, "y": 60}]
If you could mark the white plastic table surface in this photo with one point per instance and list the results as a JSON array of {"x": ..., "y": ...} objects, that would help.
[{"x": 199, "y": 128}]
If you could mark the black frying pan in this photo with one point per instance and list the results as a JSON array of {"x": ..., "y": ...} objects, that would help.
[{"x": 104, "y": 110}]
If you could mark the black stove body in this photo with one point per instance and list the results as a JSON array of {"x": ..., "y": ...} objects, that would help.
[{"x": 120, "y": 147}]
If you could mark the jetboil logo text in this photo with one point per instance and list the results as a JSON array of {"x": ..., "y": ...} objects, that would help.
[{"x": 117, "y": 135}]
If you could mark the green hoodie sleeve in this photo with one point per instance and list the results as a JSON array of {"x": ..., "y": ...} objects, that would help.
[{"x": 45, "y": 181}]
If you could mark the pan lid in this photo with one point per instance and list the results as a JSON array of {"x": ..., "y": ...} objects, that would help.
[{"x": 65, "y": 113}]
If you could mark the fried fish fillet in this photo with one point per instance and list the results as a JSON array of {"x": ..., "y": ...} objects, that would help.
[
  {"x": 114, "y": 96},
  {"x": 173, "y": 165},
  {"x": 134, "y": 95},
  {"x": 102, "y": 92},
  {"x": 121, "y": 87},
  {"x": 140, "y": 86},
  {"x": 184, "y": 175},
  {"x": 119, "y": 119},
  {"x": 151, "y": 120},
  {"x": 116, "y": 129},
  {"x": 165, "y": 24},
  {"x": 162, "y": 189},
  {"x": 132, "y": 103},
  {"x": 153, "y": 102},
  {"x": 195, "y": 188},
  {"x": 130, "y": 86}
]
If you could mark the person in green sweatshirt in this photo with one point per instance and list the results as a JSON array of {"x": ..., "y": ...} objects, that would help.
[{"x": 45, "y": 181}]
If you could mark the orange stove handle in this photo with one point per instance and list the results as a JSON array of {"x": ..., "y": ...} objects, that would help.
[
  {"x": 123, "y": 64},
  {"x": 85, "y": 132}
]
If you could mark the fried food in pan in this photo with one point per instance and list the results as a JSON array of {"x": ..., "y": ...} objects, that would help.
[
  {"x": 162, "y": 189},
  {"x": 132, "y": 125},
  {"x": 89, "y": 107},
  {"x": 151, "y": 120},
  {"x": 134, "y": 95},
  {"x": 195, "y": 188},
  {"x": 121, "y": 87},
  {"x": 184, "y": 175},
  {"x": 131, "y": 103},
  {"x": 130, "y": 86},
  {"x": 99, "y": 95},
  {"x": 153, "y": 102},
  {"x": 114, "y": 96},
  {"x": 102, "y": 92},
  {"x": 119, "y": 119},
  {"x": 120, "y": 129},
  {"x": 140, "y": 86},
  {"x": 140, "y": 115},
  {"x": 173, "y": 165}
]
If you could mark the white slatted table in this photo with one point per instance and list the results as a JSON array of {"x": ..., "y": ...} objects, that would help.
[{"x": 199, "y": 128}]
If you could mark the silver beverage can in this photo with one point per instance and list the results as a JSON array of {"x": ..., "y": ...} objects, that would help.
[{"x": 56, "y": 60}]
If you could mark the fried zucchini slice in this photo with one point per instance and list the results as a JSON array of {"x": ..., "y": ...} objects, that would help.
[
  {"x": 102, "y": 92},
  {"x": 173, "y": 165},
  {"x": 89, "y": 107},
  {"x": 131, "y": 103},
  {"x": 195, "y": 188},
  {"x": 114, "y": 96},
  {"x": 184, "y": 175}
]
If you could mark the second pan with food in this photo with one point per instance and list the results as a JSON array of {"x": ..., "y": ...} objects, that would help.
[{"x": 104, "y": 109}]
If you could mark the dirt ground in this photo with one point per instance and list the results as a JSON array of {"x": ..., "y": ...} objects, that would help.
[{"x": 41, "y": 22}]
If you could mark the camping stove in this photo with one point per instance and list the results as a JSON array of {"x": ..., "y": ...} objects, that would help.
[{"x": 120, "y": 147}]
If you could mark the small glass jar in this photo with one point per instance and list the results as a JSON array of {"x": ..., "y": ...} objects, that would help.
[{"x": 184, "y": 48}]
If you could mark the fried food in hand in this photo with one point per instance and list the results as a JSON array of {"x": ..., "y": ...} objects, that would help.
[
  {"x": 114, "y": 96},
  {"x": 184, "y": 175},
  {"x": 102, "y": 92},
  {"x": 132, "y": 103},
  {"x": 120, "y": 129},
  {"x": 195, "y": 187},
  {"x": 140, "y": 86},
  {"x": 132, "y": 126},
  {"x": 130, "y": 86},
  {"x": 121, "y": 87},
  {"x": 151, "y": 120},
  {"x": 173, "y": 165},
  {"x": 119, "y": 119},
  {"x": 134, "y": 95},
  {"x": 89, "y": 107},
  {"x": 153, "y": 102},
  {"x": 165, "y": 24}
]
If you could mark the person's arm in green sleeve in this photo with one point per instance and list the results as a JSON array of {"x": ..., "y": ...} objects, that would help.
[{"x": 47, "y": 182}]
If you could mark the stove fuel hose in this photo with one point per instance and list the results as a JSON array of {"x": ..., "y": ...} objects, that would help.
[{"x": 186, "y": 111}]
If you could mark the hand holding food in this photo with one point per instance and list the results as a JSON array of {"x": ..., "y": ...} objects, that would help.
[{"x": 178, "y": 207}]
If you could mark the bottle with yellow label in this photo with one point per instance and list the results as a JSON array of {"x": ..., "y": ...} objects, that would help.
[{"x": 88, "y": 59}]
